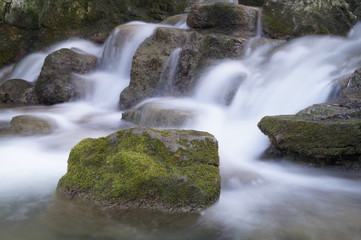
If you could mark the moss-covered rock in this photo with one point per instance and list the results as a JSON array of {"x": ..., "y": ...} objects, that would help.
[
  {"x": 174, "y": 170},
  {"x": 57, "y": 83},
  {"x": 355, "y": 7},
  {"x": 17, "y": 91},
  {"x": 199, "y": 50},
  {"x": 287, "y": 19},
  {"x": 152, "y": 114},
  {"x": 326, "y": 134},
  {"x": 26, "y": 125},
  {"x": 224, "y": 17}
]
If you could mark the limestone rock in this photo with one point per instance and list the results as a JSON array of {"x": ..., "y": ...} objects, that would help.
[
  {"x": 288, "y": 19},
  {"x": 56, "y": 83},
  {"x": 17, "y": 91},
  {"x": 172, "y": 170}
]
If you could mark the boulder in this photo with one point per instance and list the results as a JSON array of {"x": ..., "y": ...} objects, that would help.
[
  {"x": 198, "y": 51},
  {"x": 17, "y": 91},
  {"x": 26, "y": 125},
  {"x": 171, "y": 170},
  {"x": 326, "y": 134},
  {"x": 57, "y": 82},
  {"x": 224, "y": 17},
  {"x": 153, "y": 114},
  {"x": 288, "y": 19}
]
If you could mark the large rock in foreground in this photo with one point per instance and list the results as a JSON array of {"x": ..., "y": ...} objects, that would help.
[
  {"x": 287, "y": 19},
  {"x": 175, "y": 170}
]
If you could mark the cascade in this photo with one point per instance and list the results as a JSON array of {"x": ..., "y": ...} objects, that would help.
[{"x": 258, "y": 197}]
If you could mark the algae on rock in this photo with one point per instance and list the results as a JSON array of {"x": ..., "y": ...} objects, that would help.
[{"x": 175, "y": 170}]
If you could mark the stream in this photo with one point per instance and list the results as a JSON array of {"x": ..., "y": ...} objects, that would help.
[{"x": 260, "y": 198}]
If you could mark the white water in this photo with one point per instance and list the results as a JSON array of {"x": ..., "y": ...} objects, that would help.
[{"x": 259, "y": 200}]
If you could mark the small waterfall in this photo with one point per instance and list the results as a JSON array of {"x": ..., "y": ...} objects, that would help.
[
  {"x": 29, "y": 67},
  {"x": 168, "y": 75}
]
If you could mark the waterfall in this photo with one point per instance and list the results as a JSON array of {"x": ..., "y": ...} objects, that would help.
[{"x": 259, "y": 199}]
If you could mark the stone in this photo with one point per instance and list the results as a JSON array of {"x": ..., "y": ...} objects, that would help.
[
  {"x": 17, "y": 91},
  {"x": 288, "y": 19},
  {"x": 224, "y": 17},
  {"x": 198, "y": 52},
  {"x": 57, "y": 83},
  {"x": 325, "y": 134},
  {"x": 167, "y": 170},
  {"x": 153, "y": 114},
  {"x": 27, "y": 125}
]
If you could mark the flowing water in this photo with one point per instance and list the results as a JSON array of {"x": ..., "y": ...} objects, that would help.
[{"x": 260, "y": 199}]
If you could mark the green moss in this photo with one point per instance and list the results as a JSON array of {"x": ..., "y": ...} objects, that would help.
[{"x": 133, "y": 166}]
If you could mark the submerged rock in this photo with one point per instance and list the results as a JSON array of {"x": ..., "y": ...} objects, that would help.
[
  {"x": 28, "y": 125},
  {"x": 17, "y": 91},
  {"x": 57, "y": 82},
  {"x": 152, "y": 114},
  {"x": 322, "y": 134},
  {"x": 174, "y": 170},
  {"x": 288, "y": 19}
]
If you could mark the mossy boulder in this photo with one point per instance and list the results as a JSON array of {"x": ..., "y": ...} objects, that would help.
[
  {"x": 17, "y": 91},
  {"x": 172, "y": 170},
  {"x": 153, "y": 114},
  {"x": 224, "y": 17},
  {"x": 199, "y": 50},
  {"x": 27, "y": 125},
  {"x": 326, "y": 134},
  {"x": 57, "y": 83},
  {"x": 355, "y": 7},
  {"x": 288, "y": 19}
]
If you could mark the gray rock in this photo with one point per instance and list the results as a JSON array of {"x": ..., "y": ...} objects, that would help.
[
  {"x": 28, "y": 125},
  {"x": 288, "y": 19},
  {"x": 153, "y": 114},
  {"x": 57, "y": 83},
  {"x": 18, "y": 92}
]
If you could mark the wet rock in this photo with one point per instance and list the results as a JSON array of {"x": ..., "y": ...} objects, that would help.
[
  {"x": 224, "y": 17},
  {"x": 17, "y": 91},
  {"x": 26, "y": 125},
  {"x": 57, "y": 82},
  {"x": 288, "y": 19},
  {"x": 323, "y": 134},
  {"x": 198, "y": 51},
  {"x": 171, "y": 170},
  {"x": 152, "y": 114}
]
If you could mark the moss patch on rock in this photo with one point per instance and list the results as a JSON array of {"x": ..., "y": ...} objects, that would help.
[{"x": 174, "y": 170}]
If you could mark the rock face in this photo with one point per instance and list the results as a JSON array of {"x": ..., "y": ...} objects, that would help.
[
  {"x": 224, "y": 17},
  {"x": 287, "y": 19},
  {"x": 323, "y": 134},
  {"x": 198, "y": 51},
  {"x": 57, "y": 83},
  {"x": 151, "y": 114},
  {"x": 17, "y": 91},
  {"x": 38, "y": 23},
  {"x": 355, "y": 7},
  {"x": 26, "y": 125},
  {"x": 173, "y": 170}
]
